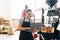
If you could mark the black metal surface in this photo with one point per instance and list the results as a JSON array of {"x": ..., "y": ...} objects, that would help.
[
  {"x": 51, "y": 3},
  {"x": 42, "y": 16},
  {"x": 37, "y": 25},
  {"x": 42, "y": 20},
  {"x": 58, "y": 9},
  {"x": 52, "y": 13},
  {"x": 48, "y": 35}
]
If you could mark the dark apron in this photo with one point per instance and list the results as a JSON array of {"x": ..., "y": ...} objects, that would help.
[{"x": 25, "y": 35}]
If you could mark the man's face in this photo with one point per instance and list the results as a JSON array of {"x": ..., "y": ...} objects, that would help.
[{"x": 29, "y": 14}]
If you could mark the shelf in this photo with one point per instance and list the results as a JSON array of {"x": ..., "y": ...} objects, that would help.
[
  {"x": 6, "y": 22},
  {"x": 5, "y": 31}
]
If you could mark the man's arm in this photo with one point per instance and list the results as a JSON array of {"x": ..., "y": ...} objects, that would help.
[
  {"x": 20, "y": 25},
  {"x": 22, "y": 28}
]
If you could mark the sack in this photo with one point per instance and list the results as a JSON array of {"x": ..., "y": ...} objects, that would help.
[
  {"x": 47, "y": 29},
  {"x": 10, "y": 31},
  {"x": 50, "y": 30},
  {"x": 43, "y": 29}
]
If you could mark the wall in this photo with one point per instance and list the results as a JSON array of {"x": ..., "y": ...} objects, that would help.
[
  {"x": 9, "y": 7},
  {"x": 13, "y": 8},
  {"x": 5, "y": 8}
]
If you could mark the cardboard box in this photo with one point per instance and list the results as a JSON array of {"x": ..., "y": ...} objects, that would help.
[{"x": 6, "y": 28}]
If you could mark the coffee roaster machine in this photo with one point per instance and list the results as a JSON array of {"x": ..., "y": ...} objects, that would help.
[
  {"x": 53, "y": 11},
  {"x": 50, "y": 13}
]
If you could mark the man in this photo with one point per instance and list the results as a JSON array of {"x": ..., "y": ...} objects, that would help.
[{"x": 24, "y": 26}]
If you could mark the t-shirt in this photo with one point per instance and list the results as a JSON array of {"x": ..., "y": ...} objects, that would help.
[{"x": 27, "y": 20}]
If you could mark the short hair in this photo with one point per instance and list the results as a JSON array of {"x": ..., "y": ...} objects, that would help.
[
  {"x": 29, "y": 10},
  {"x": 54, "y": 18}
]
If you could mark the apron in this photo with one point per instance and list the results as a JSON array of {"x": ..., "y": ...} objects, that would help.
[{"x": 25, "y": 35}]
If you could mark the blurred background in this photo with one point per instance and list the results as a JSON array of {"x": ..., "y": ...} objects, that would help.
[{"x": 12, "y": 10}]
